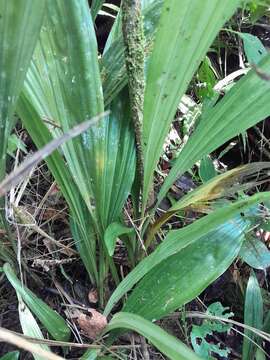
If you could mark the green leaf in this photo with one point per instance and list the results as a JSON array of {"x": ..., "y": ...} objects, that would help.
[
  {"x": 221, "y": 186},
  {"x": 207, "y": 169},
  {"x": 13, "y": 355},
  {"x": 199, "y": 333},
  {"x": 113, "y": 231},
  {"x": 83, "y": 231},
  {"x": 207, "y": 80},
  {"x": 15, "y": 143},
  {"x": 166, "y": 343},
  {"x": 177, "y": 240},
  {"x": 255, "y": 253},
  {"x": 253, "y": 316},
  {"x": 95, "y": 7},
  {"x": 253, "y": 47},
  {"x": 184, "y": 275},
  {"x": 244, "y": 105},
  {"x": 64, "y": 86},
  {"x": 30, "y": 326},
  {"x": 52, "y": 321},
  {"x": 90, "y": 354},
  {"x": 186, "y": 33},
  {"x": 20, "y": 24}
]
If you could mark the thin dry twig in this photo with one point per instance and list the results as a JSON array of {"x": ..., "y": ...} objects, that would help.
[
  {"x": 68, "y": 344},
  {"x": 11, "y": 338}
]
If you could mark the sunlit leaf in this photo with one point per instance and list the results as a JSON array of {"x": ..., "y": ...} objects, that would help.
[{"x": 83, "y": 231}]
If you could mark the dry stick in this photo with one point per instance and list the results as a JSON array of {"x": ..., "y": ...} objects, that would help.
[
  {"x": 132, "y": 27},
  {"x": 11, "y": 338},
  {"x": 16, "y": 176},
  {"x": 53, "y": 343}
]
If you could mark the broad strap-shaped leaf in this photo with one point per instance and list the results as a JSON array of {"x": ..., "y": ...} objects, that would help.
[
  {"x": 255, "y": 253},
  {"x": 30, "y": 326},
  {"x": 223, "y": 185},
  {"x": 183, "y": 276},
  {"x": 20, "y": 24},
  {"x": 95, "y": 7},
  {"x": 166, "y": 343},
  {"x": 254, "y": 48},
  {"x": 184, "y": 35},
  {"x": 247, "y": 103},
  {"x": 113, "y": 231},
  {"x": 82, "y": 229},
  {"x": 13, "y": 355},
  {"x": 253, "y": 316},
  {"x": 52, "y": 321},
  {"x": 64, "y": 86},
  {"x": 207, "y": 169},
  {"x": 177, "y": 240},
  {"x": 119, "y": 167}
]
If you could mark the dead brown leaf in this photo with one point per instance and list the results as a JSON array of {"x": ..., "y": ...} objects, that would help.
[
  {"x": 91, "y": 324},
  {"x": 93, "y": 296}
]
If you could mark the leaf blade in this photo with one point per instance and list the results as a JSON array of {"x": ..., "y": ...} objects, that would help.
[
  {"x": 179, "y": 239},
  {"x": 53, "y": 322},
  {"x": 242, "y": 107},
  {"x": 186, "y": 27},
  {"x": 165, "y": 342}
]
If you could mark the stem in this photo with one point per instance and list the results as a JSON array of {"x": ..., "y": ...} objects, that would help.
[{"x": 133, "y": 34}]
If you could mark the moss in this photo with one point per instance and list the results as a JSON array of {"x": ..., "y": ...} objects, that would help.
[{"x": 133, "y": 34}]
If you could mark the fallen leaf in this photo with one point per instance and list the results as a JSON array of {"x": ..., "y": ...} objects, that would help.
[
  {"x": 93, "y": 296},
  {"x": 93, "y": 324}
]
